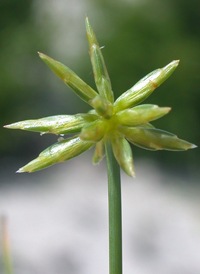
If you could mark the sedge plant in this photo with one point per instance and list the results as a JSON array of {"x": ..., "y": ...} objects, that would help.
[{"x": 109, "y": 127}]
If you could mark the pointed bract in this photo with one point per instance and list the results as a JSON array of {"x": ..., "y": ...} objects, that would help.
[
  {"x": 155, "y": 139},
  {"x": 142, "y": 89},
  {"x": 59, "y": 124},
  {"x": 99, "y": 152},
  {"x": 123, "y": 155},
  {"x": 101, "y": 76},
  {"x": 141, "y": 114},
  {"x": 70, "y": 78},
  {"x": 59, "y": 152}
]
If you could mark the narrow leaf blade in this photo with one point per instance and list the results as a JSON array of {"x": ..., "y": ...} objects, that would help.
[
  {"x": 59, "y": 152},
  {"x": 155, "y": 139},
  {"x": 59, "y": 124},
  {"x": 142, "y": 89},
  {"x": 123, "y": 155},
  {"x": 141, "y": 114},
  {"x": 70, "y": 78},
  {"x": 101, "y": 76}
]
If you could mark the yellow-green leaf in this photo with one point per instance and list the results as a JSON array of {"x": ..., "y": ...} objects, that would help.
[
  {"x": 154, "y": 139},
  {"x": 123, "y": 155},
  {"x": 101, "y": 76},
  {"x": 99, "y": 152},
  {"x": 70, "y": 78},
  {"x": 142, "y": 89},
  {"x": 59, "y": 124},
  {"x": 141, "y": 114},
  {"x": 59, "y": 152}
]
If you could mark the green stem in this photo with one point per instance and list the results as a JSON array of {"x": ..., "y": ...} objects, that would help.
[{"x": 115, "y": 221}]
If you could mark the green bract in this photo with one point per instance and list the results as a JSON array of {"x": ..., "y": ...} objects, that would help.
[{"x": 116, "y": 122}]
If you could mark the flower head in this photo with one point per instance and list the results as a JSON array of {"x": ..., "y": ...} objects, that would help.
[{"x": 117, "y": 122}]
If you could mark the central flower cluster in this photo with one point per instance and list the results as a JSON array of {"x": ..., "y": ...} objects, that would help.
[{"x": 114, "y": 122}]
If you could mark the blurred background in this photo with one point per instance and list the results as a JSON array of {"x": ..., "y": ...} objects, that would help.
[{"x": 58, "y": 216}]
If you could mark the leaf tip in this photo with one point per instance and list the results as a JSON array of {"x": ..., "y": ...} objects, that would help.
[
  {"x": 168, "y": 109},
  {"x": 193, "y": 146},
  {"x": 42, "y": 55},
  {"x": 11, "y": 126},
  {"x": 20, "y": 170},
  {"x": 176, "y": 62},
  {"x": 132, "y": 174}
]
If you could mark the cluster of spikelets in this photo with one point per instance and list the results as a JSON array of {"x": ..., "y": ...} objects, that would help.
[{"x": 115, "y": 122}]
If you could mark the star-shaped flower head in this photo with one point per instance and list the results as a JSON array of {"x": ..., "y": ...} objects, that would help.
[{"x": 116, "y": 122}]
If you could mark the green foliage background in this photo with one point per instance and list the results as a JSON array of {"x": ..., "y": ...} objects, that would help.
[{"x": 138, "y": 38}]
